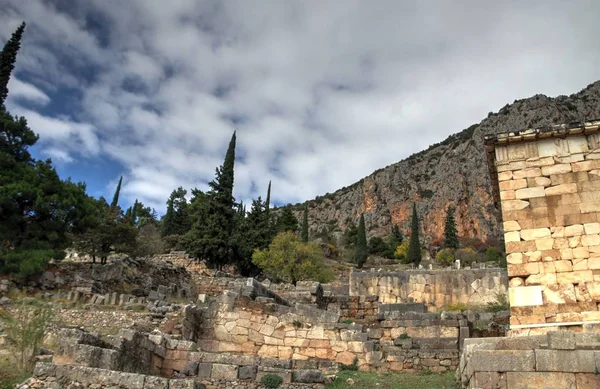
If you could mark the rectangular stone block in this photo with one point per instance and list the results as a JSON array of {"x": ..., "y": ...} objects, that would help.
[
  {"x": 591, "y": 228},
  {"x": 535, "y": 233},
  {"x": 575, "y": 277},
  {"x": 527, "y": 173},
  {"x": 585, "y": 165},
  {"x": 572, "y": 361},
  {"x": 556, "y": 169},
  {"x": 512, "y": 236},
  {"x": 513, "y": 184},
  {"x": 525, "y": 296},
  {"x": 224, "y": 372},
  {"x": 528, "y": 193},
  {"x": 515, "y": 247},
  {"x": 503, "y": 360},
  {"x": 561, "y": 189},
  {"x": 510, "y": 226},
  {"x": 588, "y": 207},
  {"x": 503, "y": 176},
  {"x": 540, "y": 380}
]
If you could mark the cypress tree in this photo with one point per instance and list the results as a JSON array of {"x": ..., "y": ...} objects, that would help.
[
  {"x": 414, "y": 247},
  {"x": 361, "y": 243},
  {"x": 450, "y": 233},
  {"x": 304, "y": 231},
  {"x": 268, "y": 201},
  {"x": 115, "y": 200},
  {"x": 212, "y": 236},
  {"x": 134, "y": 211},
  {"x": 8, "y": 56}
]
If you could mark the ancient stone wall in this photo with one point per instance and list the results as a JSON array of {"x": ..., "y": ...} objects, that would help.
[
  {"x": 558, "y": 360},
  {"x": 550, "y": 199},
  {"x": 435, "y": 288}
]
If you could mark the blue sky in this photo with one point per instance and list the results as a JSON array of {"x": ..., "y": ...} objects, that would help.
[{"x": 321, "y": 93}]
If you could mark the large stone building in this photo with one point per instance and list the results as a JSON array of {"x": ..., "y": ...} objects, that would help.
[{"x": 547, "y": 183}]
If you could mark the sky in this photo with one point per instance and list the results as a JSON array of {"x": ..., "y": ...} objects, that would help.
[{"x": 321, "y": 93}]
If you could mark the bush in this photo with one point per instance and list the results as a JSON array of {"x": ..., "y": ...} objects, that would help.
[
  {"x": 149, "y": 241},
  {"x": 24, "y": 263},
  {"x": 271, "y": 381},
  {"x": 175, "y": 242},
  {"x": 25, "y": 328},
  {"x": 501, "y": 304},
  {"x": 456, "y": 307},
  {"x": 467, "y": 256},
  {"x": 401, "y": 252},
  {"x": 445, "y": 257},
  {"x": 492, "y": 254},
  {"x": 292, "y": 260}
]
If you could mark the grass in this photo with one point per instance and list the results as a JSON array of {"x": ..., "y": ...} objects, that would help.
[{"x": 394, "y": 380}]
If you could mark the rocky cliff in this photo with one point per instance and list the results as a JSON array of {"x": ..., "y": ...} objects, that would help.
[{"x": 453, "y": 172}]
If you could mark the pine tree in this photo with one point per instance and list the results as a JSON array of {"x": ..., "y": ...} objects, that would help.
[
  {"x": 450, "y": 233},
  {"x": 287, "y": 221},
  {"x": 115, "y": 200},
  {"x": 8, "y": 56},
  {"x": 397, "y": 234},
  {"x": 414, "y": 247},
  {"x": 211, "y": 237},
  {"x": 361, "y": 243},
  {"x": 177, "y": 218},
  {"x": 304, "y": 231}
]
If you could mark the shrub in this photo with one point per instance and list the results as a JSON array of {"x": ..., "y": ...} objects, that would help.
[
  {"x": 404, "y": 336},
  {"x": 501, "y": 304},
  {"x": 401, "y": 251},
  {"x": 492, "y": 254},
  {"x": 297, "y": 324},
  {"x": 445, "y": 257},
  {"x": 271, "y": 381},
  {"x": 26, "y": 328},
  {"x": 467, "y": 256},
  {"x": 24, "y": 263},
  {"x": 347, "y": 321},
  {"x": 291, "y": 260}
]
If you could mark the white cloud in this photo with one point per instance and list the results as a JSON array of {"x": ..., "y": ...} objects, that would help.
[
  {"x": 57, "y": 155},
  {"x": 22, "y": 90},
  {"x": 321, "y": 93}
]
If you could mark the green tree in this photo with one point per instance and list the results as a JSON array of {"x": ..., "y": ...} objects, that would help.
[
  {"x": 287, "y": 221},
  {"x": 8, "y": 57},
  {"x": 211, "y": 236},
  {"x": 361, "y": 243},
  {"x": 450, "y": 233},
  {"x": 290, "y": 260},
  {"x": 401, "y": 252},
  {"x": 414, "y": 246},
  {"x": 304, "y": 231},
  {"x": 445, "y": 256},
  {"x": 177, "y": 218},
  {"x": 115, "y": 200}
]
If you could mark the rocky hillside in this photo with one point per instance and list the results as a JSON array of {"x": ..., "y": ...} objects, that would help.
[{"x": 451, "y": 172}]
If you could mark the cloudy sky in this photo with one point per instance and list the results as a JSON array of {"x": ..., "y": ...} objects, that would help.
[{"x": 321, "y": 93}]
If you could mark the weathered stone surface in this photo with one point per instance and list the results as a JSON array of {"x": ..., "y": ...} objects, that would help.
[
  {"x": 308, "y": 376},
  {"x": 561, "y": 340},
  {"x": 224, "y": 372},
  {"x": 540, "y": 380},
  {"x": 503, "y": 360},
  {"x": 573, "y": 361},
  {"x": 247, "y": 372}
]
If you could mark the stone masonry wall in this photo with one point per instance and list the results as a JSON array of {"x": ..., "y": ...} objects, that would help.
[
  {"x": 435, "y": 288},
  {"x": 558, "y": 360},
  {"x": 550, "y": 200}
]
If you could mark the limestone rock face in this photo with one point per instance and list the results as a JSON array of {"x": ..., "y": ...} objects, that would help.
[{"x": 453, "y": 172}]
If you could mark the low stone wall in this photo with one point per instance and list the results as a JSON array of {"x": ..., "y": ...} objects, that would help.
[
  {"x": 558, "y": 360},
  {"x": 48, "y": 375},
  {"x": 99, "y": 320},
  {"x": 435, "y": 288}
]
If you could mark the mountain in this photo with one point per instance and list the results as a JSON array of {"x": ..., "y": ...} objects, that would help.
[{"x": 453, "y": 172}]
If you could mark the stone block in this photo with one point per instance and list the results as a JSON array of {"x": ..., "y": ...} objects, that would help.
[
  {"x": 503, "y": 360},
  {"x": 204, "y": 370},
  {"x": 540, "y": 380},
  {"x": 515, "y": 247},
  {"x": 514, "y": 205},
  {"x": 535, "y": 233},
  {"x": 574, "y": 230},
  {"x": 585, "y": 165},
  {"x": 588, "y": 207},
  {"x": 591, "y": 228},
  {"x": 151, "y": 382},
  {"x": 525, "y": 296},
  {"x": 527, "y": 173},
  {"x": 308, "y": 376},
  {"x": 190, "y": 369},
  {"x": 513, "y": 184},
  {"x": 561, "y": 340},
  {"x": 507, "y": 195},
  {"x": 587, "y": 380},
  {"x": 512, "y": 226},
  {"x": 185, "y": 384},
  {"x": 544, "y": 244},
  {"x": 514, "y": 258},
  {"x": 559, "y": 294},
  {"x": 503, "y": 176},
  {"x": 572, "y": 361},
  {"x": 575, "y": 277},
  {"x": 513, "y": 236},
  {"x": 224, "y": 372},
  {"x": 528, "y": 193},
  {"x": 247, "y": 372},
  {"x": 556, "y": 169},
  {"x": 581, "y": 252},
  {"x": 561, "y": 189}
]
